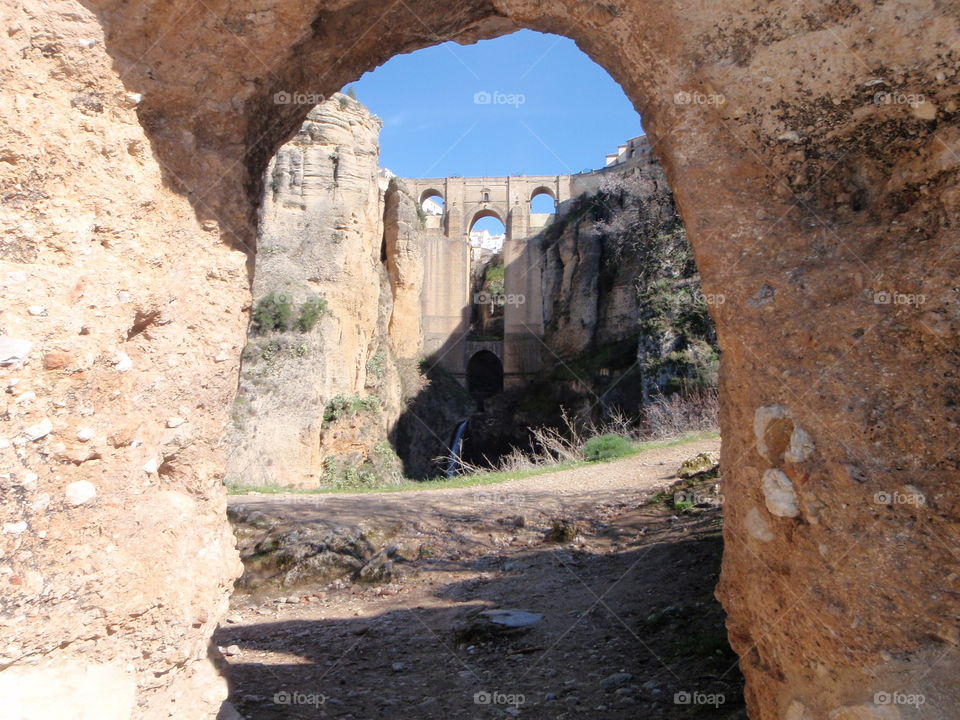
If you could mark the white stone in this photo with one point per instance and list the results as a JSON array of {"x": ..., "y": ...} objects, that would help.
[
  {"x": 41, "y": 502},
  {"x": 37, "y": 310},
  {"x": 29, "y": 480},
  {"x": 757, "y": 527},
  {"x": 17, "y": 528},
  {"x": 801, "y": 446},
  {"x": 761, "y": 421},
  {"x": 778, "y": 492},
  {"x": 28, "y": 396},
  {"x": 173, "y": 422},
  {"x": 151, "y": 466},
  {"x": 13, "y": 349},
  {"x": 4, "y": 443},
  {"x": 85, "y": 434},
  {"x": 40, "y": 430},
  {"x": 123, "y": 362},
  {"x": 80, "y": 492}
]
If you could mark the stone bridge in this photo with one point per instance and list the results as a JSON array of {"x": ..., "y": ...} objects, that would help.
[{"x": 446, "y": 295}]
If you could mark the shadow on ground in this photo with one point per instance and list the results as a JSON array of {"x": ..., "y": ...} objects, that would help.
[{"x": 630, "y": 630}]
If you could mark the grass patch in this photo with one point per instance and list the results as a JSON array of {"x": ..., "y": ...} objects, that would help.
[{"x": 607, "y": 447}]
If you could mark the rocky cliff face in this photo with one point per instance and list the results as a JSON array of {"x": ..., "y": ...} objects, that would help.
[
  {"x": 625, "y": 318},
  {"x": 316, "y": 401}
]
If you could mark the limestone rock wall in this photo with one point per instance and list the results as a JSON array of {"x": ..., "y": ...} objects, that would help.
[
  {"x": 322, "y": 236},
  {"x": 121, "y": 325}
]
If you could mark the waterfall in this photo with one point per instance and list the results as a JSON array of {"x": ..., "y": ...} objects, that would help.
[{"x": 456, "y": 447}]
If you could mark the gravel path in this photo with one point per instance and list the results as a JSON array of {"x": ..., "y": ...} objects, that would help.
[{"x": 563, "y": 492}]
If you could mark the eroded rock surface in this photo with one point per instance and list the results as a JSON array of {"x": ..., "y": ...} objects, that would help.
[{"x": 819, "y": 203}]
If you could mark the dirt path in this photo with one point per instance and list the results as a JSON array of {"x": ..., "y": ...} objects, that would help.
[{"x": 628, "y": 625}]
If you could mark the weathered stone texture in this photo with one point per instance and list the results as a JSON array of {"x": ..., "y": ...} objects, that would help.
[{"x": 133, "y": 143}]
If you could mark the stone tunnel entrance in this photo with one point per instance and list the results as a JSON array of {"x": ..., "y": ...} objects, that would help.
[
  {"x": 813, "y": 200},
  {"x": 484, "y": 375}
]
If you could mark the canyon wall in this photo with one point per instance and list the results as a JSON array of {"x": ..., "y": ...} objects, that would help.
[
  {"x": 120, "y": 333},
  {"x": 813, "y": 149},
  {"x": 625, "y": 318},
  {"x": 315, "y": 404}
]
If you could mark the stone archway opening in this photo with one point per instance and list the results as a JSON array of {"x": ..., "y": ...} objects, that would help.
[
  {"x": 484, "y": 375},
  {"x": 543, "y": 201},
  {"x": 814, "y": 203}
]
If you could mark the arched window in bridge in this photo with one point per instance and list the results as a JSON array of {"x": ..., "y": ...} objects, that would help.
[
  {"x": 543, "y": 201},
  {"x": 487, "y": 233},
  {"x": 432, "y": 207}
]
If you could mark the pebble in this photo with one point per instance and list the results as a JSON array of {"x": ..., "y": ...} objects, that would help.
[
  {"x": 397, "y": 667},
  {"x": 173, "y": 422},
  {"x": 233, "y": 619},
  {"x": 26, "y": 397},
  {"x": 80, "y": 492},
  {"x": 37, "y": 310},
  {"x": 85, "y": 434},
  {"x": 40, "y": 430},
  {"x": 615, "y": 680},
  {"x": 13, "y": 349},
  {"x": 123, "y": 362},
  {"x": 231, "y": 650},
  {"x": 17, "y": 528}
]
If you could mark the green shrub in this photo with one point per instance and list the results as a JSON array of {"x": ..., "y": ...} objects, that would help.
[
  {"x": 342, "y": 406},
  {"x": 273, "y": 312},
  {"x": 377, "y": 364},
  {"x": 310, "y": 312},
  {"x": 606, "y": 447}
]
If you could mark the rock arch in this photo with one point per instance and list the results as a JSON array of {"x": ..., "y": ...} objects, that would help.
[{"x": 813, "y": 204}]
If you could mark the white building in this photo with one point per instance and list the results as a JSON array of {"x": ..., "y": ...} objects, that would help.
[
  {"x": 432, "y": 207},
  {"x": 484, "y": 240}
]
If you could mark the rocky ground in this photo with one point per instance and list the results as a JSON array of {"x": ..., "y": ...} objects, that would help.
[{"x": 369, "y": 605}]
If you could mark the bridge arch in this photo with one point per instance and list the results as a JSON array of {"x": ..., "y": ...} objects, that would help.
[
  {"x": 485, "y": 213},
  {"x": 484, "y": 374},
  {"x": 431, "y": 193},
  {"x": 543, "y": 200}
]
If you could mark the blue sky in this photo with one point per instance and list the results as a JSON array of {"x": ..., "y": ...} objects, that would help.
[{"x": 550, "y": 109}]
